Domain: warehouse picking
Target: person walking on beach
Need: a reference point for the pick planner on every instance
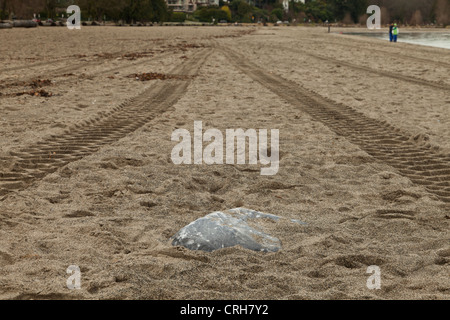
(395, 32)
(391, 36)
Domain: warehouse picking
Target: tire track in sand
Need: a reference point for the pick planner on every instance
(417, 161)
(387, 74)
(36, 161)
(364, 46)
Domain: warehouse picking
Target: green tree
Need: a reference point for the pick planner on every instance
(207, 14)
(278, 13)
(227, 11)
(3, 6)
(128, 10)
(319, 10)
(178, 17)
(339, 8)
(241, 11)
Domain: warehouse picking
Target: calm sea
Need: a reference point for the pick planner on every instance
(433, 39)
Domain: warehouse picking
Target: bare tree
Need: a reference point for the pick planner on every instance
(406, 10)
(416, 19)
(442, 12)
(385, 16)
(22, 9)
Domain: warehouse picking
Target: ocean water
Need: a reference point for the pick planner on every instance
(432, 39)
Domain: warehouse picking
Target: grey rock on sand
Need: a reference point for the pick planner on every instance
(227, 229)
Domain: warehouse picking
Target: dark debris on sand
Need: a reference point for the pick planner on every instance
(35, 83)
(35, 93)
(39, 83)
(157, 76)
(137, 55)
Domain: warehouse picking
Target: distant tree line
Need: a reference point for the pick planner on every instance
(415, 11)
(348, 11)
(126, 10)
(354, 11)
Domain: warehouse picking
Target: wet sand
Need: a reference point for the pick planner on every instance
(86, 176)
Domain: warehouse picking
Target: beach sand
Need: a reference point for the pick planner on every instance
(86, 176)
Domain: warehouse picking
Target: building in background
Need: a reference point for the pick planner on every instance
(189, 5)
(286, 3)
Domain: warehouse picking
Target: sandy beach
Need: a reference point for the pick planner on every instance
(86, 176)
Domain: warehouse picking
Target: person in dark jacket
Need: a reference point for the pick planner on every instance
(391, 36)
